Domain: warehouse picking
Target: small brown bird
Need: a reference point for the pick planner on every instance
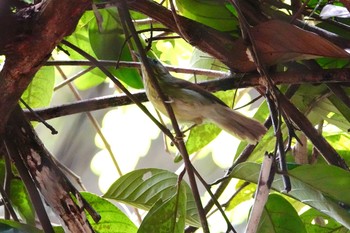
(192, 103)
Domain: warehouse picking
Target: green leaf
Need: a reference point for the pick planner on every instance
(340, 142)
(58, 229)
(21, 201)
(317, 222)
(108, 42)
(245, 194)
(200, 136)
(307, 95)
(39, 92)
(2, 171)
(341, 107)
(337, 118)
(143, 188)
(214, 14)
(167, 216)
(18, 195)
(12, 226)
(80, 38)
(318, 177)
(280, 216)
(112, 220)
(305, 189)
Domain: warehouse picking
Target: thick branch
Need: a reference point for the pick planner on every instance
(46, 23)
(323, 76)
(49, 179)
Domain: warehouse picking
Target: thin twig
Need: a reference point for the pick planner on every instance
(118, 83)
(95, 124)
(7, 204)
(38, 118)
(71, 79)
(215, 200)
(124, 13)
(271, 91)
(129, 64)
(326, 76)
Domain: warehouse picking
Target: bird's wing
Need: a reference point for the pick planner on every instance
(193, 87)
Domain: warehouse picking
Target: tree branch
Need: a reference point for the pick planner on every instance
(322, 76)
(30, 153)
(44, 26)
(194, 71)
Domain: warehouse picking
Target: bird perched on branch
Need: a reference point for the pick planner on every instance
(192, 103)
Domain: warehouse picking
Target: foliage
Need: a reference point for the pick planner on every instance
(318, 200)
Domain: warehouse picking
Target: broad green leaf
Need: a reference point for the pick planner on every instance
(39, 92)
(200, 136)
(317, 222)
(340, 142)
(310, 100)
(109, 41)
(328, 111)
(325, 178)
(280, 216)
(80, 38)
(331, 63)
(308, 191)
(245, 194)
(18, 195)
(211, 13)
(341, 107)
(113, 220)
(13, 226)
(21, 201)
(143, 188)
(307, 99)
(58, 229)
(2, 171)
(166, 216)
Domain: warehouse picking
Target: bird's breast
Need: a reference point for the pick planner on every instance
(184, 111)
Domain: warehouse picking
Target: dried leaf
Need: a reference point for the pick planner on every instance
(278, 41)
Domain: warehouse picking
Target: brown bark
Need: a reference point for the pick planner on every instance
(36, 32)
(30, 155)
(28, 37)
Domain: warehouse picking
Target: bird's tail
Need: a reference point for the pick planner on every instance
(236, 124)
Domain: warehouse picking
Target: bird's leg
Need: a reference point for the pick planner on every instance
(186, 130)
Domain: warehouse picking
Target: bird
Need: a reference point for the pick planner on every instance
(193, 104)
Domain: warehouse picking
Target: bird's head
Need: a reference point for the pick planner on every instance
(157, 67)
